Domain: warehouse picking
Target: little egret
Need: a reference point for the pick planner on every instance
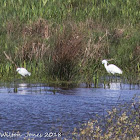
(111, 68)
(23, 72)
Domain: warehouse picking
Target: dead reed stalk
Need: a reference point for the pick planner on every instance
(10, 59)
(34, 35)
(67, 51)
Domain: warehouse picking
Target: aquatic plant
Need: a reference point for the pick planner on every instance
(68, 39)
(119, 123)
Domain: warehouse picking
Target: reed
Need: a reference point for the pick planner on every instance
(67, 40)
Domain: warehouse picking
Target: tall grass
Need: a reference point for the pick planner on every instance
(67, 40)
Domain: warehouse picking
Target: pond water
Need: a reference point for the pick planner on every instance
(40, 111)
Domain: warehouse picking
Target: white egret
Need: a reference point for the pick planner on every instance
(111, 68)
(23, 72)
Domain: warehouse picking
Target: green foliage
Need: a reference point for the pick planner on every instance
(37, 34)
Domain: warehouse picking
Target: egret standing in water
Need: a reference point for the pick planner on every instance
(23, 72)
(111, 68)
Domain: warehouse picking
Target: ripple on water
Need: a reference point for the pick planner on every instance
(37, 108)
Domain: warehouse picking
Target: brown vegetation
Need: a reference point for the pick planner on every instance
(34, 46)
(68, 50)
(39, 28)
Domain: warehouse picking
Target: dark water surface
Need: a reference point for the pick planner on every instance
(42, 112)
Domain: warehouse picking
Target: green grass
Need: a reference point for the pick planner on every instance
(67, 40)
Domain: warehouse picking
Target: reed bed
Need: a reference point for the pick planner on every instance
(66, 40)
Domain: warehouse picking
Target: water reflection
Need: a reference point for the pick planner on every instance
(113, 86)
(27, 88)
(22, 88)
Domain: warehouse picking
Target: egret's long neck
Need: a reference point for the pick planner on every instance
(105, 64)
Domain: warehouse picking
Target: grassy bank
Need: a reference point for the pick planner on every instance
(66, 40)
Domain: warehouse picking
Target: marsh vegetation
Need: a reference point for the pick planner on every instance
(66, 40)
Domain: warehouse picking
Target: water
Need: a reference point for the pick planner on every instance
(40, 111)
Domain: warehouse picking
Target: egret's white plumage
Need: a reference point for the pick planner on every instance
(23, 72)
(111, 68)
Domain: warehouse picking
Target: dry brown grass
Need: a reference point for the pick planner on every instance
(13, 29)
(73, 43)
(95, 50)
(33, 49)
(33, 36)
(137, 51)
(39, 28)
(68, 46)
(118, 33)
(76, 45)
(68, 50)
